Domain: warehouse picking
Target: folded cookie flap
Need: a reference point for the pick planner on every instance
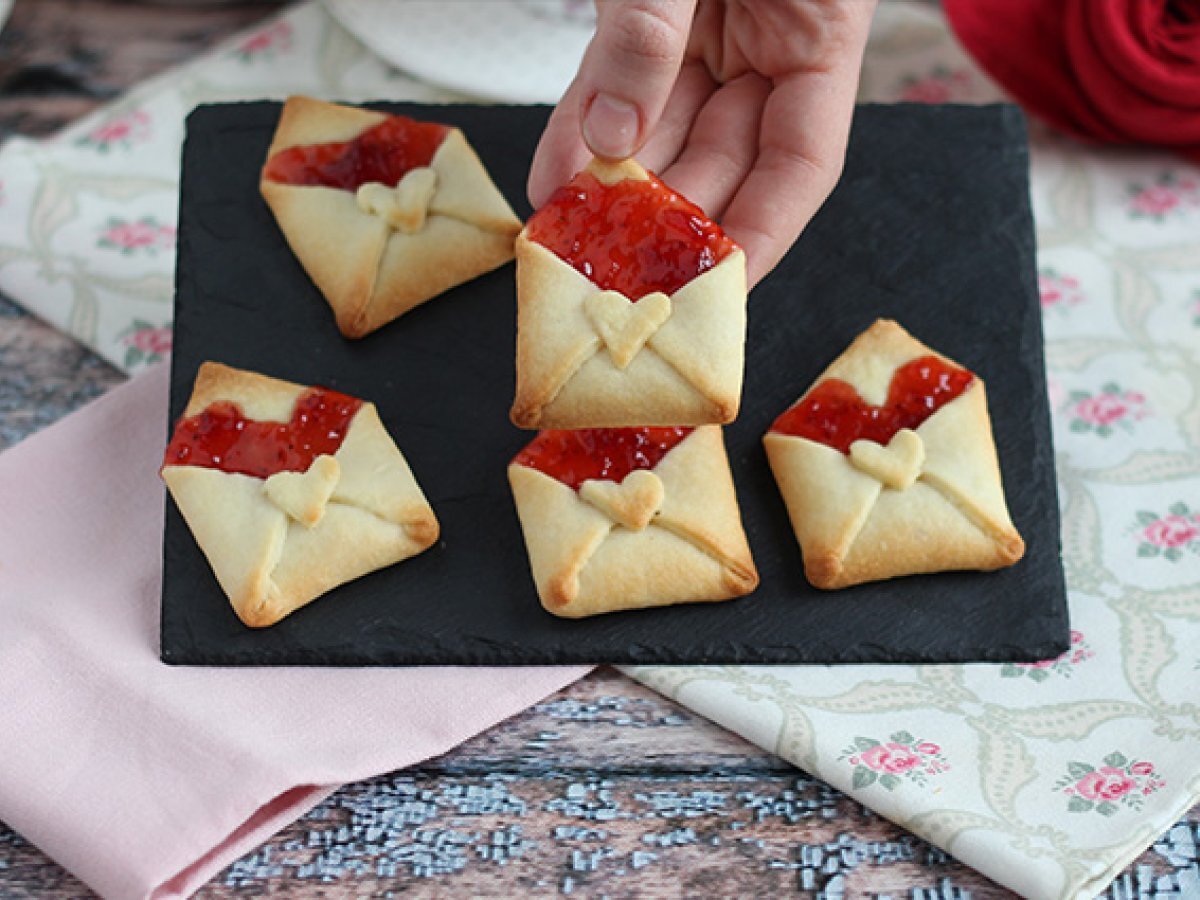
(888, 467)
(648, 517)
(631, 308)
(286, 505)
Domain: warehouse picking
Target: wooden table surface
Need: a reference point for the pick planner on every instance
(604, 789)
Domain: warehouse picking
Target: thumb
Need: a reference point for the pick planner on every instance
(628, 71)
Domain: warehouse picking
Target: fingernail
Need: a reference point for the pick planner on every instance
(610, 127)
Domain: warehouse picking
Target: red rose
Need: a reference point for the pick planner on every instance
(1121, 71)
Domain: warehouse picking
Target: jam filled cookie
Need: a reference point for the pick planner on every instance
(888, 467)
(290, 491)
(384, 212)
(625, 518)
(631, 307)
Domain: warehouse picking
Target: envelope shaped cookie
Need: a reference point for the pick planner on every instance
(631, 307)
(888, 467)
(384, 212)
(624, 518)
(290, 491)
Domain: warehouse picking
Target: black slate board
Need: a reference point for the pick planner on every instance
(931, 225)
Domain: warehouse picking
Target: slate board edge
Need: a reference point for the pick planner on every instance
(1041, 398)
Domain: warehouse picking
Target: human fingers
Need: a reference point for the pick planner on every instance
(629, 70)
(799, 163)
(722, 146)
(693, 88)
(802, 148)
(560, 151)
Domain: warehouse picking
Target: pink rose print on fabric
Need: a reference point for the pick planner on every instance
(145, 343)
(1169, 536)
(1111, 406)
(265, 43)
(1117, 783)
(145, 235)
(1103, 409)
(1109, 783)
(941, 85)
(1172, 531)
(1167, 197)
(1063, 664)
(119, 132)
(891, 757)
(902, 756)
(1154, 201)
(1058, 291)
(1195, 307)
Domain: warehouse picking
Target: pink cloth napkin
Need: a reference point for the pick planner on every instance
(145, 779)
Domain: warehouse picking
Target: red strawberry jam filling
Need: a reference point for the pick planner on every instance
(634, 237)
(573, 457)
(384, 153)
(221, 437)
(834, 414)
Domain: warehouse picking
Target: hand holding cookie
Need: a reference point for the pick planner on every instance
(742, 107)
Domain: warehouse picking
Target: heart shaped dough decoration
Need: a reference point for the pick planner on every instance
(405, 206)
(303, 495)
(632, 503)
(625, 326)
(897, 465)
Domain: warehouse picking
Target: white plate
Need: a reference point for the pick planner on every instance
(517, 51)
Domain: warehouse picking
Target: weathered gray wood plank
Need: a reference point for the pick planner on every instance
(61, 58)
(45, 374)
(607, 716)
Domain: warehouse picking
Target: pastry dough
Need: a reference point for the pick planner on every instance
(588, 357)
(278, 543)
(930, 501)
(378, 251)
(671, 534)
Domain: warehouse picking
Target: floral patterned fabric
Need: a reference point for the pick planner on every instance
(87, 218)
(1049, 776)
